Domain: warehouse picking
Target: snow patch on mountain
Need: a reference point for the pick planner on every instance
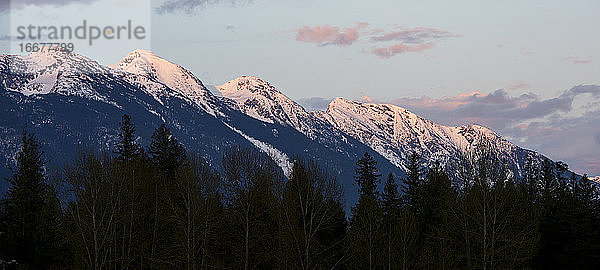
(280, 158)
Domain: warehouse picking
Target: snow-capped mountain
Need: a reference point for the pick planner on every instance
(71, 101)
(261, 100)
(163, 79)
(395, 133)
(52, 71)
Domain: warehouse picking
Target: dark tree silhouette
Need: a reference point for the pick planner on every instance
(127, 147)
(30, 212)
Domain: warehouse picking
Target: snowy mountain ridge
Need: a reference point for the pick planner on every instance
(395, 133)
(261, 100)
(389, 130)
(153, 91)
(52, 71)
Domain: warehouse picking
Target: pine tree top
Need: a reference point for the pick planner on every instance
(367, 175)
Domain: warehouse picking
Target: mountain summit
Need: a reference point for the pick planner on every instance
(163, 79)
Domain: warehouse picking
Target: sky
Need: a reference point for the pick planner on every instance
(527, 69)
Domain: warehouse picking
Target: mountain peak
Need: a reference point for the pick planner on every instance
(46, 71)
(147, 55)
(246, 83)
(155, 71)
(261, 100)
(341, 102)
(145, 62)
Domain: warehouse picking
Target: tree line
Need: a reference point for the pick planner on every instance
(162, 207)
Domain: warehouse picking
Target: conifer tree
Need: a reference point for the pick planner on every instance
(30, 212)
(167, 155)
(165, 150)
(584, 224)
(366, 225)
(548, 182)
(411, 183)
(391, 214)
(434, 209)
(127, 147)
(367, 176)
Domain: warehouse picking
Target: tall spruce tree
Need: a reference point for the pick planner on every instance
(167, 155)
(30, 212)
(392, 204)
(435, 203)
(127, 147)
(366, 225)
(165, 150)
(411, 183)
(367, 176)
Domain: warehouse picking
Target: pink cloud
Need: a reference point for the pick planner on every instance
(387, 52)
(415, 35)
(585, 61)
(577, 60)
(518, 85)
(415, 39)
(330, 34)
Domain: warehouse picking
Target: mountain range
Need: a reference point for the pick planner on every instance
(71, 102)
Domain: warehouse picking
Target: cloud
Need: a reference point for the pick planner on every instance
(329, 34)
(417, 35)
(528, 120)
(518, 85)
(387, 52)
(577, 60)
(498, 108)
(190, 6)
(415, 39)
(559, 127)
(315, 103)
(402, 40)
